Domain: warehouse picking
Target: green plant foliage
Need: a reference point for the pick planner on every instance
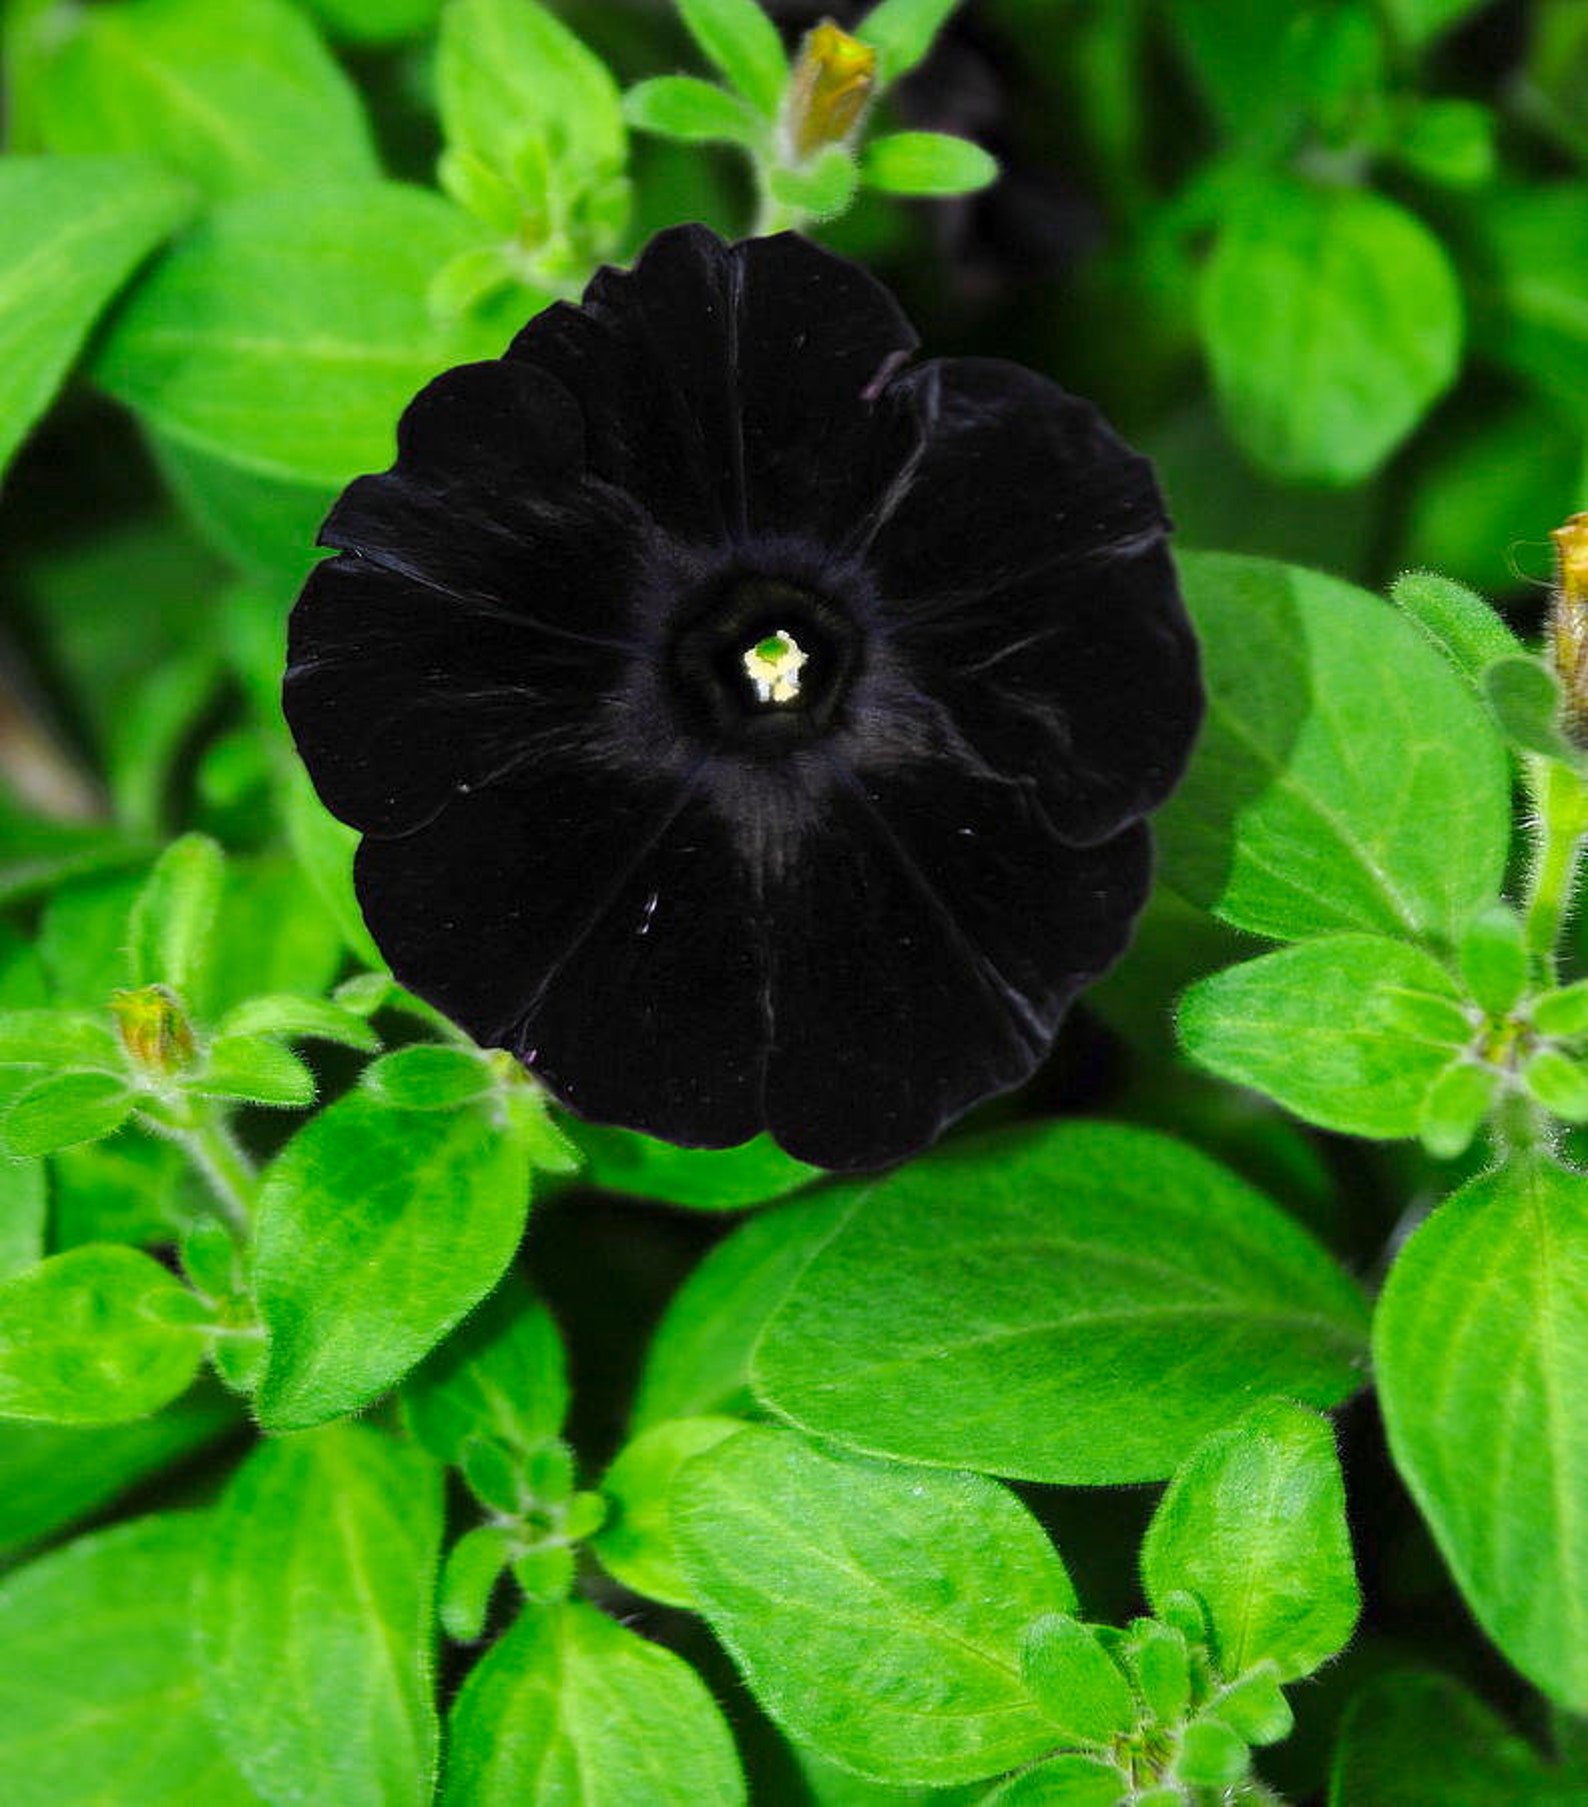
(704, 1179)
(1479, 1342)
(1142, 1263)
(738, 37)
(314, 1649)
(569, 1701)
(233, 99)
(379, 1228)
(636, 1543)
(927, 163)
(816, 1569)
(1322, 795)
(84, 1708)
(70, 235)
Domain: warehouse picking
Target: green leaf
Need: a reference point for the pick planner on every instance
(377, 1231)
(234, 98)
(706, 1179)
(927, 163)
(257, 1070)
(635, 1544)
(98, 1692)
(323, 849)
(570, 1706)
(1530, 259)
(298, 1019)
(1410, 1738)
(1558, 1083)
(1458, 621)
(1418, 22)
(24, 1208)
(379, 22)
(692, 111)
(1332, 320)
(1075, 1681)
(1480, 1345)
(1161, 1663)
(901, 32)
(428, 1078)
(1068, 1781)
(1448, 141)
(501, 1374)
(1455, 1106)
(1211, 1755)
(263, 525)
(738, 38)
(1525, 696)
(250, 344)
(1255, 1706)
(71, 232)
(1312, 1027)
(313, 1610)
(97, 1335)
(813, 1567)
(699, 1359)
(1145, 1270)
(1322, 794)
(174, 915)
(1563, 1012)
(1253, 1525)
(1494, 959)
(56, 1038)
(64, 1110)
(823, 187)
(273, 934)
(474, 1565)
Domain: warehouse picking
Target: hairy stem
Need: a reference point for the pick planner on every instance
(213, 1150)
(1562, 800)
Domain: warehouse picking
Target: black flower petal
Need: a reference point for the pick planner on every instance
(747, 732)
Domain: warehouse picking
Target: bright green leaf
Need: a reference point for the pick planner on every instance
(926, 163)
(706, 1179)
(97, 1335)
(377, 1231)
(570, 1706)
(1480, 1344)
(1456, 619)
(1255, 1706)
(1311, 1027)
(874, 1610)
(1494, 959)
(257, 1070)
(1525, 696)
(692, 111)
(56, 1038)
(232, 98)
(313, 1613)
(1322, 794)
(474, 1565)
(1455, 1106)
(62, 1111)
(428, 1078)
(635, 1544)
(1332, 320)
(1211, 1755)
(1144, 1270)
(173, 916)
(1253, 1525)
(1448, 141)
(738, 38)
(823, 187)
(1067, 1781)
(71, 232)
(261, 524)
(901, 32)
(379, 22)
(24, 1207)
(1076, 1682)
(298, 1019)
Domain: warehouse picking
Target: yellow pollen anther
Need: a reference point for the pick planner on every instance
(773, 666)
(1568, 623)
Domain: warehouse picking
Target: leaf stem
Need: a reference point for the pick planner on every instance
(1562, 802)
(214, 1151)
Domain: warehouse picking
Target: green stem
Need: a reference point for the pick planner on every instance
(213, 1150)
(1562, 800)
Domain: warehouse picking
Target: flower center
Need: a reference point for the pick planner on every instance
(759, 665)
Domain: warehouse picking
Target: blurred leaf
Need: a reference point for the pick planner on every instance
(173, 916)
(57, 1038)
(24, 1204)
(377, 1231)
(71, 233)
(273, 935)
(502, 1373)
(1532, 286)
(902, 32)
(1411, 1738)
(132, 1187)
(927, 163)
(1145, 1270)
(1418, 22)
(823, 187)
(571, 1706)
(1253, 1525)
(1480, 1343)
(635, 1545)
(1332, 320)
(375, 22)
(262, 524)
(299, 1019)
(692, 111)
(1448, 141)
(96, 1336)
(1308, 1026)
(289, 330)
(323, 848)
(699, 1358)
(313, 1609)
(474, 1565)
(705, 1179)
(83, 937)
(738, 38)
(936, 1574)
(233, 98)
(1322, 794)
(92, 1709)
(63, 1110)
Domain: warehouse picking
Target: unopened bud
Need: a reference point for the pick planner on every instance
(1568, 625)
(154, 1029)
(832, 82)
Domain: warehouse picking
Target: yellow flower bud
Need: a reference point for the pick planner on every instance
(832, 82)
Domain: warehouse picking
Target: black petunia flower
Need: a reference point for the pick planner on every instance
(746, 730)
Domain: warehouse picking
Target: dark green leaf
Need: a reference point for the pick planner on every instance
(739, 39)
(98, 1691)
(380, 22)
(1448, 141)
(1144, 1270)
(1332, 320)
(71, 232)
(232, 98)
(571, 1706)
(248, 343)
(264, 525)
(692, 111)
(377, 1231)
(1531, 251)
(1322, 794)
(314, 1619)
(502, 1373)
(63, 1110)
(927, 163)
(1480, 1343)
(1312, 1026)
(706, 1179)
(97, 1335)
(1417, 22)
(635, 1544)
(1076, 1682)
(813, 1568)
